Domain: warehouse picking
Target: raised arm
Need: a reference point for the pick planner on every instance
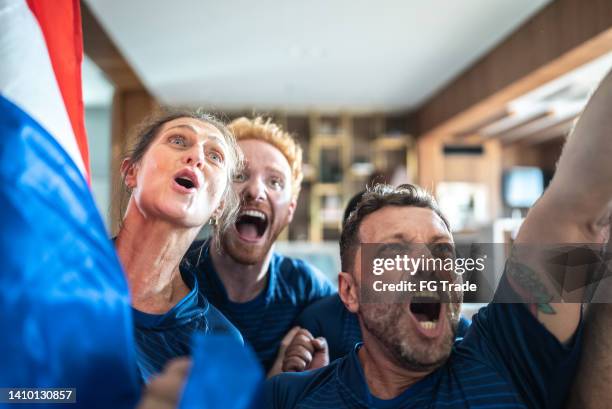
(575, 208)
(592, 383)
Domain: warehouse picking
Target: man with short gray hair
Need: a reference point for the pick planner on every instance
(515, 355)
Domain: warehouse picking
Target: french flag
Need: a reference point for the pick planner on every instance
(65, 318)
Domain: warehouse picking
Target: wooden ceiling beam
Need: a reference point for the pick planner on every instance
(512, 122)
(131, 101)
(102, 51)
(560, 129)
(494, 117)
(561, 37)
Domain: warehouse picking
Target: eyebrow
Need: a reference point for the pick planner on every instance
(275, 170)
(189, 127)
(402, 238)
(268, 168)
(393, 246)
(194, 130)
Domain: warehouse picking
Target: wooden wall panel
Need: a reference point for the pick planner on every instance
(130, 107)
(561, 37)
(100, 48)
(131, 102)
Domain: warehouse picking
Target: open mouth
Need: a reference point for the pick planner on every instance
(425, 307)
(251, 224)
(187, 179)
(185, 182)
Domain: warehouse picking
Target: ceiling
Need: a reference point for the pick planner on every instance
(385, 55)
(548, 111)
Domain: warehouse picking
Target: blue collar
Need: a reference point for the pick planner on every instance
(352, 381)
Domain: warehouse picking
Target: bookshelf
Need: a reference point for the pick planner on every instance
(345, 151)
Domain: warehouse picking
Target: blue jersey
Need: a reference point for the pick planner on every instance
(161, 337)
(292, 285)
(507, 359)
(330, 319)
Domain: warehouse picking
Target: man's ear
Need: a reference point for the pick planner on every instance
(129, 173)
(347, 290)
(292, 206)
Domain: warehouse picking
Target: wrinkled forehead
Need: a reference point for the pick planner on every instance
(403, 224)
(197, 127)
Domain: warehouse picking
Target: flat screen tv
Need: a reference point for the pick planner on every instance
(522, 186)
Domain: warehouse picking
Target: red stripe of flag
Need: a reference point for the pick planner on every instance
(66, 53)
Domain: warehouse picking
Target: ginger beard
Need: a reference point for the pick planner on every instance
(251, 225)
(267, 203)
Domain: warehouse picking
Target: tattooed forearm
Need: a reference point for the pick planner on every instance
(526, 282)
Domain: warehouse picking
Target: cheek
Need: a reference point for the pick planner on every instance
(151, 169)
(385, 316)
(282, 200)
(217, 185)
(146, 181)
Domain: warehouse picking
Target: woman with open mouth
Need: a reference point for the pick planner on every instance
(179, 177)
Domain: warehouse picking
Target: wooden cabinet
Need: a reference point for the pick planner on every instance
(346, 153)
(343, 153)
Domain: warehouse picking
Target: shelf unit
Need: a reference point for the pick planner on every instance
(328, 187)
(386, 143)
(342, 152)
(341, 139)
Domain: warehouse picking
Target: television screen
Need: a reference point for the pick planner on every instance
(523, 186)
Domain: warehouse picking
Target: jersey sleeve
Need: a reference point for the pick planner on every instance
(310, 319)
(320, 285)
(509, 337)
(285, 390)
(329, 318)
(220, 325)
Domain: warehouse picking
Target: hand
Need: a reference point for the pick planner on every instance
(305, 353)
(277, 367)
(165, 390)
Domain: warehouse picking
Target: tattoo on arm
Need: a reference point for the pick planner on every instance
(526, 282)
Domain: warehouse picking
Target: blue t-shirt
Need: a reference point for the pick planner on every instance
(292, 285)
(330, 319)
(507, 359)
(161, 337)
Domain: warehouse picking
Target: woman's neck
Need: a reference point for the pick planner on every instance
(150, 252)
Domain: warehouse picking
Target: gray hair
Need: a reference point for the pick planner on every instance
(373, 199)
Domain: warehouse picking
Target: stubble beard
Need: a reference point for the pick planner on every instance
(388, 323)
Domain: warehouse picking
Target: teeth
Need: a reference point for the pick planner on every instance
(428, 294)
(187, 178)
(254, 213)
(428, 324)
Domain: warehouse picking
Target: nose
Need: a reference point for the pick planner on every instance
(254, 191)
(428, 269)
(194, 157)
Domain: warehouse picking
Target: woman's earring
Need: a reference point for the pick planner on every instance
(212, 221)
